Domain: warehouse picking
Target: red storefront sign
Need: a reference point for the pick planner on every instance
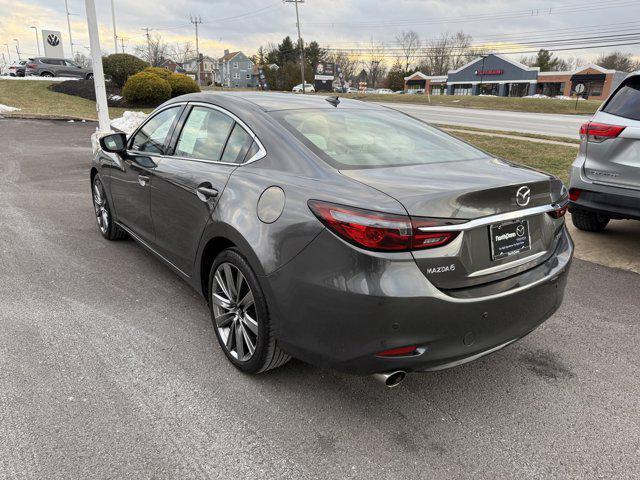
(489, 72)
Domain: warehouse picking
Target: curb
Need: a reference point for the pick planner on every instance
(43, 116)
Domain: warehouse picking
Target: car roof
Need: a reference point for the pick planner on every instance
(272, 101)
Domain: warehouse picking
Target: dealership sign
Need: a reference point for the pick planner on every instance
(52, 44)
(324, 71)
(489, 72)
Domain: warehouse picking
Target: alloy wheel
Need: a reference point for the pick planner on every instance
(100, 207)
(234, 312)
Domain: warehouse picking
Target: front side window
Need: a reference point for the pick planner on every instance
(348, 139)
(153, 134)
(204, 134)
(626, 102)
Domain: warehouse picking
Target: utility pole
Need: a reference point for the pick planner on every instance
(66, 7)
(195, 21)
(146, 29)
(300, 44)
(121, 44)
(37, 38)
(115, 33)
(17, 48)
(98, 72)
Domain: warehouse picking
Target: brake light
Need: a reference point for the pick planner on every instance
(574, 194)
(599, 132)
(398, 352)
(379, 231)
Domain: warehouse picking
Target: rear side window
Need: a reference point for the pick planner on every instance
(626, 102)
(204, 134)
(237, 145)
(153, 134)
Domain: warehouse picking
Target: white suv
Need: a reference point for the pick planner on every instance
(307, 86)
(605, 177)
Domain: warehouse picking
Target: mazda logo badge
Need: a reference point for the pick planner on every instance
(520, 230)
(523, 196)
(53, 40)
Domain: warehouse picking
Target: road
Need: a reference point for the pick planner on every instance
(540, 123)
(109, 368)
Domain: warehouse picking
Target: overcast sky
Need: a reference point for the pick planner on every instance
(337, 23)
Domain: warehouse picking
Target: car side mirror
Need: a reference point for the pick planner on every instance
(114, 143)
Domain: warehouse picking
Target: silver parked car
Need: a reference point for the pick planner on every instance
(56, 67)
(605, 177)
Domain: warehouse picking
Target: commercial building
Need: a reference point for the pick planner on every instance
(500, 76)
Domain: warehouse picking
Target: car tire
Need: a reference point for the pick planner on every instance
(243, 327)
(106, 226)
(589, 221)
(46, 74)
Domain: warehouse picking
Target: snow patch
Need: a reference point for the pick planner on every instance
(129, 121)
(559, 97)
(42, 79)
(7, 109)
(115, 98)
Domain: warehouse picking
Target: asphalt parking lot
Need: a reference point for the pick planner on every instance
(109, 367)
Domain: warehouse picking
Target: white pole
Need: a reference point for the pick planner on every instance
(115, 34)
(98, 73)
(66, 6)
(37, 39)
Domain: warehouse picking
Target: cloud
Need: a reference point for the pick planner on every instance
(246, 24)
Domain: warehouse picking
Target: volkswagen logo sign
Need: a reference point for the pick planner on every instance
(53, 40)
(523, 196)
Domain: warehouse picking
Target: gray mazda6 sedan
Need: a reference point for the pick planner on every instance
(342, 233)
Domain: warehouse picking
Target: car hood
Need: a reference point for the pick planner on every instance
(465, 189)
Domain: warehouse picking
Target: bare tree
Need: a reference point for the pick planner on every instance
(449, 52)
(348, 64)
(618, 61)
(82, 60)
(375, 65)
(182, 52)
(410, 45)
(155, 52)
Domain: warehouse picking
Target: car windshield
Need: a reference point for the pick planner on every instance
(355, 138)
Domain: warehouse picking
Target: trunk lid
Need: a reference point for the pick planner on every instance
(473, 190)
(462, 190)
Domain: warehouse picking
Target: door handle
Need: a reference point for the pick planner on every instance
(143, 179)
(206, 193)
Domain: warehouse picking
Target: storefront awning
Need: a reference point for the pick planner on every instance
(586, 77)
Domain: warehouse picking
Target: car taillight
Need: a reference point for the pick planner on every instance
(574, 194)
(599, 132)
(560, 212)
(379, 231)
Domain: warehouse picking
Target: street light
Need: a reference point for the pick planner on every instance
(37, 38)
(482, 73)
(17, 48)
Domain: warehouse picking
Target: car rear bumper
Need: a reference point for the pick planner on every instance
(335, 309)
(609, 204)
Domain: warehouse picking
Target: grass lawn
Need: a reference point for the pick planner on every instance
(508, 132)
(33, 97)
(553, 159)
(537, 105)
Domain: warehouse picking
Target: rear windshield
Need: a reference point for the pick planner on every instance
(626, 102)
(349, 139)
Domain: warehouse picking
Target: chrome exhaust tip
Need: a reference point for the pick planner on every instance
(391, 379)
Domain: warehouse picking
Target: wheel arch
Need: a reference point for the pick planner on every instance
(216, 238)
